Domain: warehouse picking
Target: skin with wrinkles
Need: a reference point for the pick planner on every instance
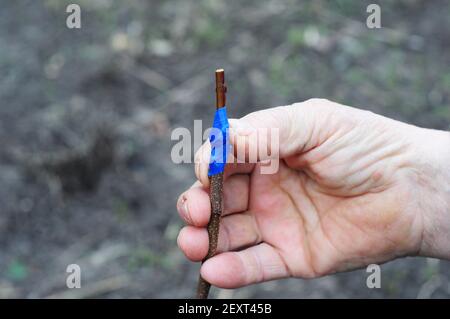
(353, 188)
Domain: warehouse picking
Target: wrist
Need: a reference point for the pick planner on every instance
(433, 159)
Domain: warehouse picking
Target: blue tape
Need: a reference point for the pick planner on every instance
(219, 140)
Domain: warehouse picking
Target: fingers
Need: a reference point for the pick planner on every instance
(202, 157)
(252, 265)
(236, 194)
(194, 205)
(202, 164)
(236, 231)
(191, 240)
(277, 132)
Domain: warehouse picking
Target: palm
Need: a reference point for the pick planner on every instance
(318, 230)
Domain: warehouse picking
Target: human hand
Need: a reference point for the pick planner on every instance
(352, 188)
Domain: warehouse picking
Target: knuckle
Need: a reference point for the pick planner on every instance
(317, 101)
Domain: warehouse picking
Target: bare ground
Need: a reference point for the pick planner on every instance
(86, 116)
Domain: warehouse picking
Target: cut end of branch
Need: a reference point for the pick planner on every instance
(221, 88)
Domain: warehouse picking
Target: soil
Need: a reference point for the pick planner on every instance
(86, 117)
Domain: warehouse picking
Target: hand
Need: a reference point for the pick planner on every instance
(352, 188)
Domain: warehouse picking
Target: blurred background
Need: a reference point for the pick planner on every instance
(86, 116)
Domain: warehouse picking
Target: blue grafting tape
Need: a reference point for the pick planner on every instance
(219, 142)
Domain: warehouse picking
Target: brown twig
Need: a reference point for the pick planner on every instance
(215, 194)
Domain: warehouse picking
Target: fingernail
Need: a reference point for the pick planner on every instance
(183, 207)
(241, 127)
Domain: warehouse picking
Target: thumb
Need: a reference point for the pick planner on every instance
(271, 134)
(278, 132)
